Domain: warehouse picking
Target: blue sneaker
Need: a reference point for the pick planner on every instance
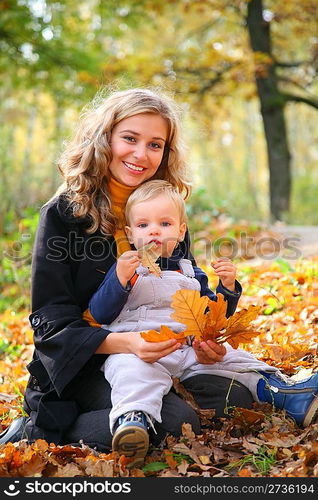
(131, 436)
(299, 400)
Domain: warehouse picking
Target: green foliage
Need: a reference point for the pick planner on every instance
(16, 251)
(304, 198)
(8, 349)
(262, 460)
(284, 265)
(273, 304)
(54, 56)
(201, 209)
(158, 466)
(154, 467)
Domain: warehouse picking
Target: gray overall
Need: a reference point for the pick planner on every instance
(138, 385)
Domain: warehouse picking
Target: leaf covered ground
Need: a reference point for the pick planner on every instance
(258, 442)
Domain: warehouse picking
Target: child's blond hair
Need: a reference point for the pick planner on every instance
(152, 189)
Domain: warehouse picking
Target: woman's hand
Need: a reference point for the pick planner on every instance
(226, 271)
(151, 351)
(209, 352)
(132, 342)
(126, 266)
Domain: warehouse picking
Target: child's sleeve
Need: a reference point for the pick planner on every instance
(232, 298)
(109, 299)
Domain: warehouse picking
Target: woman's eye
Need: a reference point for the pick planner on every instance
(155, 145)
(129, 138)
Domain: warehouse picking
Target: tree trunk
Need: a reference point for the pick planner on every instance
(272, 109)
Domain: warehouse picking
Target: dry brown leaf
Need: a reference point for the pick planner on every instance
(185, 450)
(187, 431)
(7, 397)
(68, 470)
(164, 334)
(246, 417)
(205, 414)
(190, 309)
(183, 467)
(149, 254)
(169, 459)
(98, 468)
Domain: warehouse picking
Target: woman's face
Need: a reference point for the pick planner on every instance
(137, 145)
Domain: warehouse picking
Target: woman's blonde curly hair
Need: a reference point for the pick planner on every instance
(85, 162)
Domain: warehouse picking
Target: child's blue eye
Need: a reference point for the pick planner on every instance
(142, 225)
(166, 224)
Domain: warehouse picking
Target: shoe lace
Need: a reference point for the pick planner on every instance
(138, 415)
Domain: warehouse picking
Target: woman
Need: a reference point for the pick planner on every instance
(126, 139)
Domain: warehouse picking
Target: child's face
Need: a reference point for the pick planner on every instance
(156, 220)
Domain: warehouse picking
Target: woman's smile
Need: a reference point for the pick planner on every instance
(134, 167)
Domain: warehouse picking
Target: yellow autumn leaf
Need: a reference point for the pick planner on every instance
(190, 309)
(165, 334)
(216, 317)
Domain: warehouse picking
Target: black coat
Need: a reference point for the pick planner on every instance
(68, 265)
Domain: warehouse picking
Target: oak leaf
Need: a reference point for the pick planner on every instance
(190, 309)
(246, 417)
(165, 334)
(149, 254)
(237, 329)
(215, 318)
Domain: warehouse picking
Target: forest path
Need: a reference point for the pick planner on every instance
(295, 242)
(303, 238)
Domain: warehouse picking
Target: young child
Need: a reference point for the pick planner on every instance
(138, 300)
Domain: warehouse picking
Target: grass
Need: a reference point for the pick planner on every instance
(263, 460)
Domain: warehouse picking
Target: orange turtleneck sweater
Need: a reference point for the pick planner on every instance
(119, 194)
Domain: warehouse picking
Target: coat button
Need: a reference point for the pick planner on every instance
(36, 320)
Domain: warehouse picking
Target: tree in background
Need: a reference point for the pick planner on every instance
(276, 86)
(54, 55)
(210, 49)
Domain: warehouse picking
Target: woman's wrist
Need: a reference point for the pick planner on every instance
(117, 343)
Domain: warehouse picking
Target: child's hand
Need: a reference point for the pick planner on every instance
(226, 271)
(209, 352)
(126, 266)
